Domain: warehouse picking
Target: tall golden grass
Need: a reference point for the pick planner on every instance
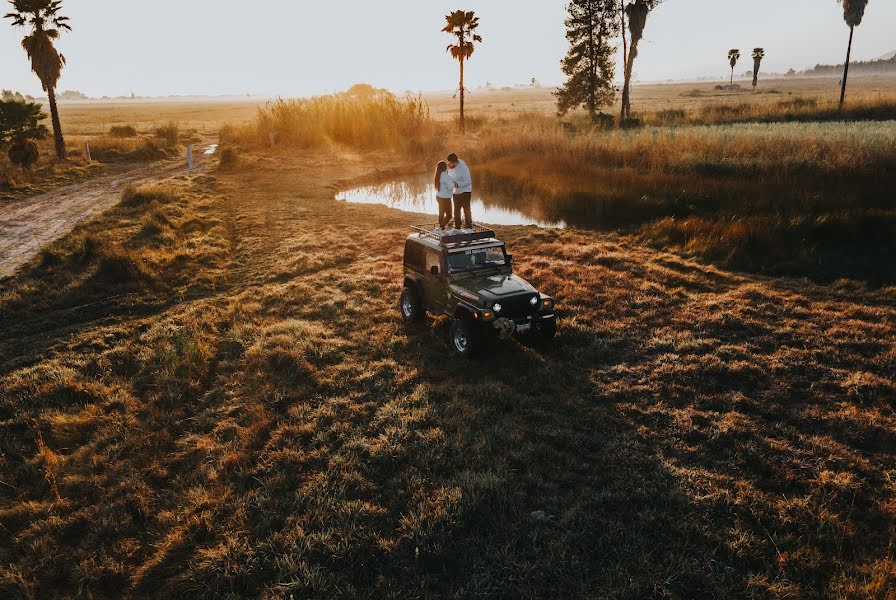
(736, 149)
(382, 121)
(798, 108)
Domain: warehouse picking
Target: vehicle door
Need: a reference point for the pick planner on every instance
(434, 283)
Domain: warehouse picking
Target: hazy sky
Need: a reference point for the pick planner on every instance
(293, 47)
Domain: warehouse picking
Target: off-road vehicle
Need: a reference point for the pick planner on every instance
(468, 276)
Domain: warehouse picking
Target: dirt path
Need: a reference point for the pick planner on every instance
(27, 224)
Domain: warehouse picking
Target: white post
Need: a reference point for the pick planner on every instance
(190, 157)
(271, 139)
(87, 151)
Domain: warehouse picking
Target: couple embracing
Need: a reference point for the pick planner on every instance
(453, 183)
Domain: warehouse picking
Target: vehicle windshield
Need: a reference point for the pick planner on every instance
(476, 258)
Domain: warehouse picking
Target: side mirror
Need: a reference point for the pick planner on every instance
(510, 259)
(434, 270)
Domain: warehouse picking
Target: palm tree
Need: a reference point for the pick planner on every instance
(42, 17)
(733, 57)
(853, 12)
(462, 25)
(758, 55)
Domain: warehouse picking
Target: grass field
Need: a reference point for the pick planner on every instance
(208, 392)
(212, 386)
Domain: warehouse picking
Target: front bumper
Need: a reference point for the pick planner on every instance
(505, 327)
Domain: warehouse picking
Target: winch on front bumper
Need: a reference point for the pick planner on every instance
(505, 328)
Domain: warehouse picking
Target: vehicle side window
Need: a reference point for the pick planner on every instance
(413, 256)
(433, 259)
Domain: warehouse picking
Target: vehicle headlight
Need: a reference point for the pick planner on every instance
(497, 307)
(534, 300)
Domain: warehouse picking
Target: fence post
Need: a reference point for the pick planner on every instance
(271, 139)
(190, 157)
(87, 151)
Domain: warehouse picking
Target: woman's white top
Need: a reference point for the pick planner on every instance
(446, 186)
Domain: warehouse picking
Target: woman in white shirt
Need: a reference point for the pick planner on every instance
(444, 191)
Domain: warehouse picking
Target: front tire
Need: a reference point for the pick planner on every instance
(463, 338)
(410, 307)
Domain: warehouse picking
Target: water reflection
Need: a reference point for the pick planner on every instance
(417, 195)
(622, 198)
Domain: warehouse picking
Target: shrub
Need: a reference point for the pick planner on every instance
(604, 121)
(123, 131)
(118, 149)
(23, 153)
(144, 195)
(169, 134)
(229, 159)
(672, 116)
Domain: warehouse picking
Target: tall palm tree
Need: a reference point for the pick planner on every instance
(462, 25)
(45, 23)
(853, 12)
(758, 55)
(733, 57)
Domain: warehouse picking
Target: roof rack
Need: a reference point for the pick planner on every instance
(454, 236)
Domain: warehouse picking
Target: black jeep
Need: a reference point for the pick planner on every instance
(468, 276)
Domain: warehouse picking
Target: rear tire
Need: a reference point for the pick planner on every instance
(464, 338)
(410, 307)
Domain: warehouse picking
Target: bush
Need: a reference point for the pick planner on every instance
(119, 149)
(229, 159)
(123, 131)
(604, 121)
(141, 196)
(631, 123)
(23, 153)
(169, 134)
(672, 116)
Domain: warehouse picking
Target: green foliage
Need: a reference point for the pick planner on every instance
(589, 66)
(45, 23)
(21, 121)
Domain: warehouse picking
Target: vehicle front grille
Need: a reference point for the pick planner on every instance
(517, 306)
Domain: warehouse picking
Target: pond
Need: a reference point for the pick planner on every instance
(619, 199)
(416, 195)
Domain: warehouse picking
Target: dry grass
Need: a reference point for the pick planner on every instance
(380, 122)
(245, 415)
(747, 150)
(657, 97)
(787, 198)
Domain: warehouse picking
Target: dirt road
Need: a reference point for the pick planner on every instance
(27, 224)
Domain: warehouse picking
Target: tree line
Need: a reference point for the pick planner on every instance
(592, 30)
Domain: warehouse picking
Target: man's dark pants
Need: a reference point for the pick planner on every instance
(462, 202)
